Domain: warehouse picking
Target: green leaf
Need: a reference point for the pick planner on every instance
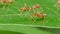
(10, 15)
(15, 29)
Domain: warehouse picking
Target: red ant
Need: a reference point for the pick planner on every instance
(6, 2)
(37, 15)
(36, 6)
(25, 8)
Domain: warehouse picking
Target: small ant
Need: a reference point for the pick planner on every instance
(36, 6)
(6, 2)
(25, 8)
(37, 15)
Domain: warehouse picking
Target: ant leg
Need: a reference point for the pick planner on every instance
(21, 13)
(8, 9)
(3, 6)
(43, 21)
(14, 0)
(30, 9)
(33, 19)
(27, 13)
(57, 6)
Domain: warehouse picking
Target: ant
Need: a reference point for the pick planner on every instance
(25, 8)
(36, 6)
(6, 2)
(38, 15)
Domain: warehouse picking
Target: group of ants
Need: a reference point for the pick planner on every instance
(26, 7)
(23, 9)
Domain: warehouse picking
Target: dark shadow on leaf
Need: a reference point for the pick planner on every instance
(9, 32)
(52, 30)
